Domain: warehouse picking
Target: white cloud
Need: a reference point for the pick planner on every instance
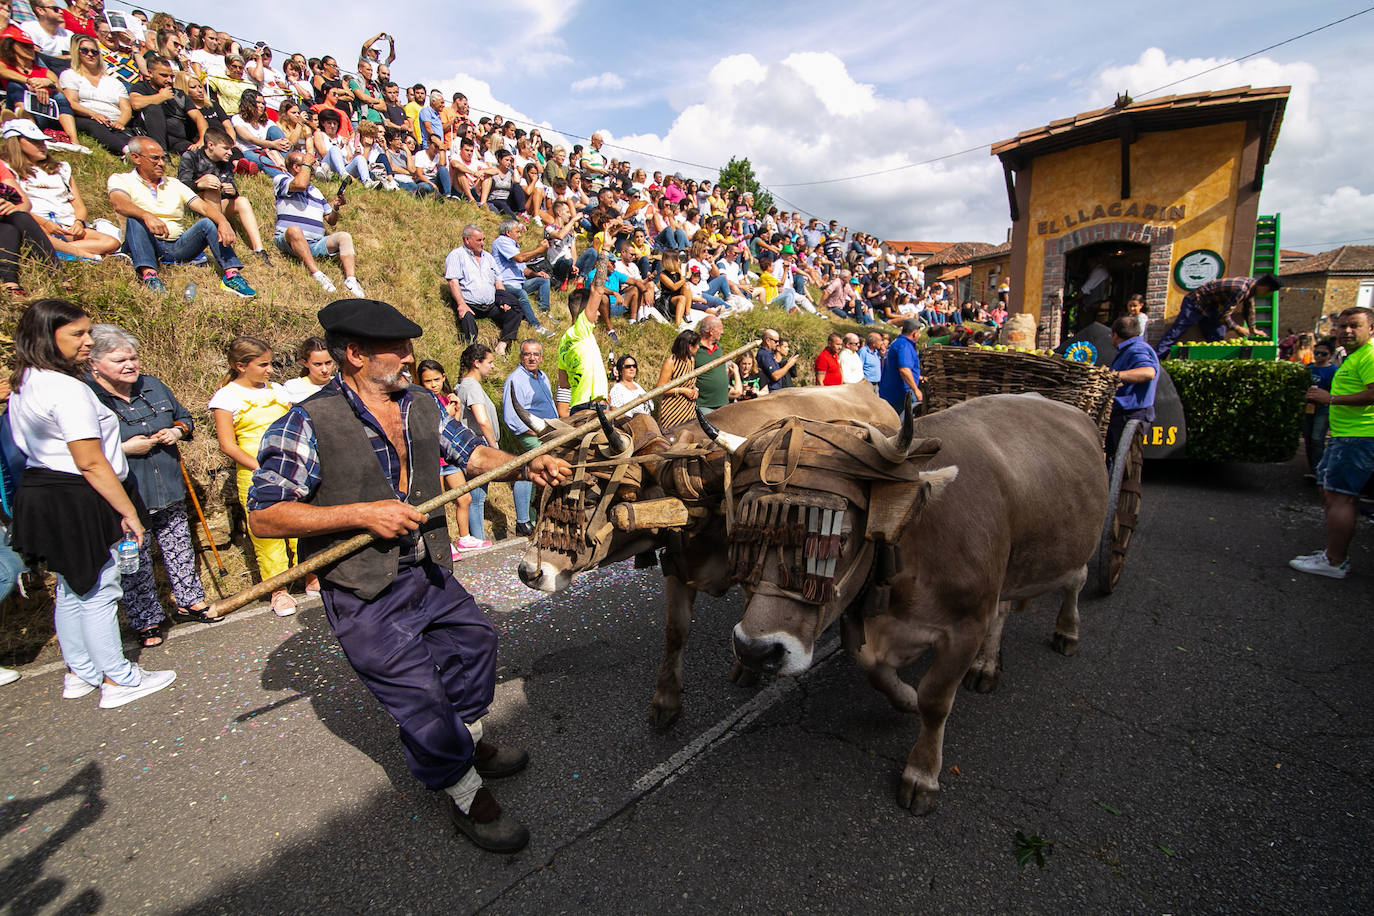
(804, 118)
(1321, 160)
(483, 102)
(605, 82)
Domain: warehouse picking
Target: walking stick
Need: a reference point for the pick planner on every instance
(209, 538)
(358, 542)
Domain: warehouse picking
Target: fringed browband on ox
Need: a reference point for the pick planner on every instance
(795, 482)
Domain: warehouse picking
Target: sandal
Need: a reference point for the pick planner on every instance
(194, 615)
(17, 292)
(150, 637)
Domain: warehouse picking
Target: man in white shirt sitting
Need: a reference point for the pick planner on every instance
(302, 214)
(474, 282)
(153, 207)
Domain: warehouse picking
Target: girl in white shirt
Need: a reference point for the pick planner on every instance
(75, 473)
(54, 200)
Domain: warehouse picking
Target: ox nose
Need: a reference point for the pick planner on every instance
(765, 655)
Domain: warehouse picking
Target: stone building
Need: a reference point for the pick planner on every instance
(1324, 284)
(1154, 197)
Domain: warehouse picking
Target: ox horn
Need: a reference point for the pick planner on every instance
(613, 437)
(729, 441)
(537, 425)
(908, 431)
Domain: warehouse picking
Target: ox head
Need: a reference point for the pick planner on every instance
(819, 510)
(585, 523)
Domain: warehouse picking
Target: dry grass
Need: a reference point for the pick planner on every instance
(401, 244)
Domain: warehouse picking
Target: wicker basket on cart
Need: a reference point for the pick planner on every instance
(956, 374)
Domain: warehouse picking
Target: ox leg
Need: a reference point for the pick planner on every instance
(666, 705)
(920, 784)
(884, 679)
(986, 670)
(1065, 640)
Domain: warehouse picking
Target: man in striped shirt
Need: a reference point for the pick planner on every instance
(302, 214)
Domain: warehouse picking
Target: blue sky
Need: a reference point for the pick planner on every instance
(811, 90)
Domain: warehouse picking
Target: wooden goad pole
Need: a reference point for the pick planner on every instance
(358, 542)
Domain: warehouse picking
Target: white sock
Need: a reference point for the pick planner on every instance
(465, 790)
(475, 729)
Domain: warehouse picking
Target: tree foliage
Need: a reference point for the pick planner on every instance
(739, 173)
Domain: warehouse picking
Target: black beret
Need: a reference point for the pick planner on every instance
(367, 318)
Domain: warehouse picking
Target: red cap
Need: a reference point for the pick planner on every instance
(16, 34)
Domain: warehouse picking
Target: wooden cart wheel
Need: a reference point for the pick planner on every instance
(1123, 506)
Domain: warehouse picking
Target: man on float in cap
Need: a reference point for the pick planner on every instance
(337, 462)
(1216, 306)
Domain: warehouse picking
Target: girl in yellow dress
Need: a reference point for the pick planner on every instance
(248, 402)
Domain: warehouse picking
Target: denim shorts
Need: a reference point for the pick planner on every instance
(1347, 464)
(319, 248)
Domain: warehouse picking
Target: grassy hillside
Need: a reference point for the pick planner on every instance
(401, 244)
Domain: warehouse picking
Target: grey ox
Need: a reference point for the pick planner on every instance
(1001, 500)
(688, 531)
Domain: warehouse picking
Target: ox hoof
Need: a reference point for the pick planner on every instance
(1064, 645)
(743, 677)
(661, 715)
(982, 681)
(919, 802)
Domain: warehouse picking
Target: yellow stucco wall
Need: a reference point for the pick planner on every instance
(1197, 168)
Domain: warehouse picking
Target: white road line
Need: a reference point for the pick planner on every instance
(730, 726)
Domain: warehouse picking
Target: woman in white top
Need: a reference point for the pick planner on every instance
(317, 368)
(99, 101)
(56, 203)
(627, 388)
(75, 472)
(254, 135)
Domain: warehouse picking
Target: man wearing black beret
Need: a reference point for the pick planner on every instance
(362, 453)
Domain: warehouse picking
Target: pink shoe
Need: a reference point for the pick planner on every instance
(468, 542)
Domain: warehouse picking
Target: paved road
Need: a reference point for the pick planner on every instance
(1208, 750)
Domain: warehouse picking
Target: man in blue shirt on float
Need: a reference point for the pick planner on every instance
(902, 367)
(1137, 371)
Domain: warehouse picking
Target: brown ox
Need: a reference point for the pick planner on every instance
(1007, 505)
(693, 557)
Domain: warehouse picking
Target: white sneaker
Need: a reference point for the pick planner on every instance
(1318, 565)
(353, 286)
(112, 695)
(8, 676)
(326, 284)
(74, 688)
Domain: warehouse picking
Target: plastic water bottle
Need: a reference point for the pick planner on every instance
(128, 555)
(190, 292)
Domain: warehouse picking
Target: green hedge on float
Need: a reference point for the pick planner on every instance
(1241, 410)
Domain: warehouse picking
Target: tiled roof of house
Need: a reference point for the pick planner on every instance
(917, 248)
(1166, 112)
(958, 253)
(1345, 259)
(1000, 251)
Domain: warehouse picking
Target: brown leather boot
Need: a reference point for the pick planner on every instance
(487, 826)
(493, 762)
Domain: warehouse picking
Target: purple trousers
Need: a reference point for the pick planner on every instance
(428, 653)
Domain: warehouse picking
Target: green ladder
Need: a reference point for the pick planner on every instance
(1266, 261)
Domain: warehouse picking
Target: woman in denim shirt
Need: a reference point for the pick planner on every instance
(151, 422)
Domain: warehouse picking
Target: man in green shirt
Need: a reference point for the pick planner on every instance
(581, 370)
(1348, 463)
(713, 388)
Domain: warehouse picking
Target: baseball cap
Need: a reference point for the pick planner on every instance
(14, 33)
(22, 127)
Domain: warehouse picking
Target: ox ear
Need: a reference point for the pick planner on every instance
(937, 480)
(893, 505)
